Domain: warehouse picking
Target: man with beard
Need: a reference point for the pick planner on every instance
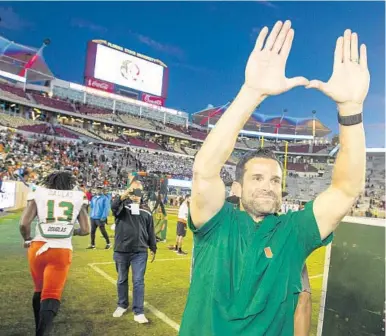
(246, 276)
(303, 311)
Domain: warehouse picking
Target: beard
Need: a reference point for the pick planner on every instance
(261, 204)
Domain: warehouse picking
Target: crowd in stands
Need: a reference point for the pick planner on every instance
(29, 159)
(93, 163)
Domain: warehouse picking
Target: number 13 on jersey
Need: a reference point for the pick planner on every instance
(58, 222)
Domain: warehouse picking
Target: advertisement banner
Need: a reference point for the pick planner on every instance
(99, 85)
(129, 71)
(159, 101)
(8, 195)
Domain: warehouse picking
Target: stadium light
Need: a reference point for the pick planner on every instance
(46, 41)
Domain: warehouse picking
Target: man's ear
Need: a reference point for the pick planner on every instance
(236, 189)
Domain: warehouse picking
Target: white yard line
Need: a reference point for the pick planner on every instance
(163, 317)
(316, 276)
(327, 259)
(112, 262)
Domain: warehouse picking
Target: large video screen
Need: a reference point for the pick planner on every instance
(123, 69)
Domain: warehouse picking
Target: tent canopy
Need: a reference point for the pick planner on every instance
(23, 61)
(259, 122)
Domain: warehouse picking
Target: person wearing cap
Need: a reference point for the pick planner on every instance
(100, 208)
(134, 235)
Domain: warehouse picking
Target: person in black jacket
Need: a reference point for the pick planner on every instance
(134, 235)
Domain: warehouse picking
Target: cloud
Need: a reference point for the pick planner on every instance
(84, 24)
(376, 126)
(193, 68)
(376, 103)
(162, 47)
(267, 4)
(255, 32)
(10, 20)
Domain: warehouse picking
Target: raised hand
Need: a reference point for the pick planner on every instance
(350, 80)
(265, 71)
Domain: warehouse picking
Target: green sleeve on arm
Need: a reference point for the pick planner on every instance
(210, 226)
(307, 230)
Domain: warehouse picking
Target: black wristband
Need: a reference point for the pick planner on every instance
(350, 120)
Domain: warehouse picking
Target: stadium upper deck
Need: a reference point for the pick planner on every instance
(66, 103)
(269, 125)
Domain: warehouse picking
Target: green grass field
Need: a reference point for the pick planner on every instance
(90, 298)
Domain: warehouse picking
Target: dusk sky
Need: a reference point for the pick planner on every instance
(206, 46)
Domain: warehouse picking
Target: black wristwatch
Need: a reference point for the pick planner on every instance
(350, 120)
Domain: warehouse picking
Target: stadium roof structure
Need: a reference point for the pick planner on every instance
(271, 124)
(24, 61)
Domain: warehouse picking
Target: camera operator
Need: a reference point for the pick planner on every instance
(134, 234)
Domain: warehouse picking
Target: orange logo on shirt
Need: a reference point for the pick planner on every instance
(268, 252)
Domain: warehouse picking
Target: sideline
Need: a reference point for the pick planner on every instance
(163, 317)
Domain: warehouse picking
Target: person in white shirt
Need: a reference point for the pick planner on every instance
(181, 226)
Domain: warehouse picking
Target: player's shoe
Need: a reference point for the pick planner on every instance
(91, 247)
(119, 312)
(180, 252)
(140, 319)
(108, 247)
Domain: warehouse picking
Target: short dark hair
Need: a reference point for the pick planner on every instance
(60, 180)
(262, 153)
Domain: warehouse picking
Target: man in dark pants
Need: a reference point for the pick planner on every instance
(183, 212)
(134, 234)
(100, 208)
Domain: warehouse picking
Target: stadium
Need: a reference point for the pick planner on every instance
(116, 123)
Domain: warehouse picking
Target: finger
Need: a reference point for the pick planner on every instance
(272, 37)
(363, 56)
(285, 50)
(319, 85)
(282, 36)
(261, 38)
(338, 55)
(354, 47)
(346, 45)
(297, 81)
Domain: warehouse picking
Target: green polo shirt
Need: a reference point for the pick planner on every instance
(246, 275)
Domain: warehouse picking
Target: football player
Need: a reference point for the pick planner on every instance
(57, 207)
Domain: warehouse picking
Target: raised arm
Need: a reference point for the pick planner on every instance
(264, 76)
(348, 87)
